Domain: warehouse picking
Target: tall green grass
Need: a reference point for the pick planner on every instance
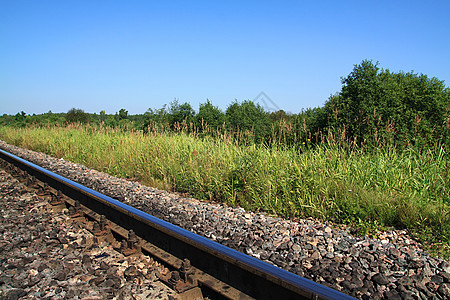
(381, 186)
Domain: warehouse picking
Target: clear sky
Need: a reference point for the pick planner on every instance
(107, 55)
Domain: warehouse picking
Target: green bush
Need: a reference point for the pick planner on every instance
(402, 107)
(248, 117)
(75, 115)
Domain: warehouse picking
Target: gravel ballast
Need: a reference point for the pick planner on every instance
(391, 267)
(47, 255)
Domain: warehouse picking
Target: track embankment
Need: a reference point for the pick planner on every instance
(393, 266)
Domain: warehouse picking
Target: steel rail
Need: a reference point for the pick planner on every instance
(253, 277)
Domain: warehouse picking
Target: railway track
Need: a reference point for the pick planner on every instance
(199, 267)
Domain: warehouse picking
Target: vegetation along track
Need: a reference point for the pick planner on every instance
(199, 266)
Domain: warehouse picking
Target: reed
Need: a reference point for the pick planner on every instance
(336, 181)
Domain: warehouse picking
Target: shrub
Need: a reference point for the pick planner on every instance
(406, 107)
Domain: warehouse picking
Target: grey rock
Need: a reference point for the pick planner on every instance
(296, 247)
(60, 276)
(392, 294)
(438, 279)
(445, 266)
(416, 264)
(380, 279)
(15, 294)
(422, 288)
(86, 260)
(104, 266)
(97, 280)
(444, 290)
(445, 275)
(405, 281)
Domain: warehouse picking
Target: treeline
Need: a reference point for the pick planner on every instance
(74, 115)
(375, 106)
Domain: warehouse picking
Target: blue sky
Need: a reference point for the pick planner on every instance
(107, 55)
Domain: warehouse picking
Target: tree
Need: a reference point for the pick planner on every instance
(279, 115)
(123, 114)
(248, 116)
(210, 115)
(406, 105)
(20, 116)
(102, 115)
(179, 113)
(75, 115)
(20, 119)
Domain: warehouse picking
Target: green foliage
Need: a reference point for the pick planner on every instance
(278, 116)
(76, 115)
(402, 107)
(179, 114)
(22, 119)
(123, 114)
(310, 123)
(102, 115)
(20, 116)
(209, 116)
(248, 117)
(155, 117)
